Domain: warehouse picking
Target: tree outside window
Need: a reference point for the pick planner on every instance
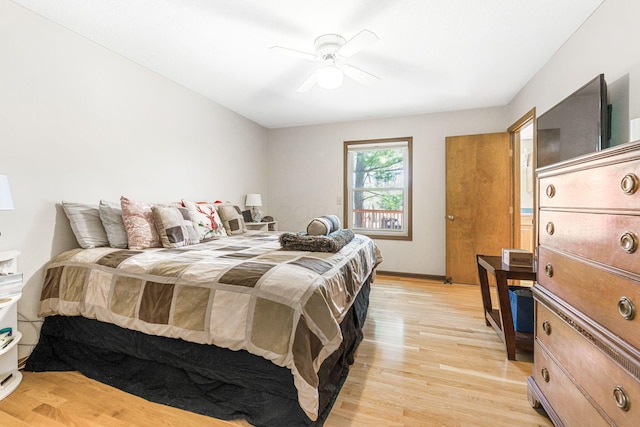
(378, 187)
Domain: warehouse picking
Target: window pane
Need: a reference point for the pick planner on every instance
(378, 168)
(378, 210)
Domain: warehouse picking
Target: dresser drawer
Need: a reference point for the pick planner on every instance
(609, 298)
(583, 357)
(613, 186)
(608, 239)
(569, 404)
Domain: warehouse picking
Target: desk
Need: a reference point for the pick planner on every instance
(501, 319)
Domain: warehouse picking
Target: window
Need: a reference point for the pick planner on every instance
(377, 187)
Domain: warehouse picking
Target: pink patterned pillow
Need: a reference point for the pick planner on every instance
(140, 225)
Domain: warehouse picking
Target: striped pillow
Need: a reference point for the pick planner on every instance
(323, 225)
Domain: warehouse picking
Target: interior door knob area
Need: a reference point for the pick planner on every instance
(450, 217)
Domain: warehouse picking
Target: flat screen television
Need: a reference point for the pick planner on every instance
(577, 125)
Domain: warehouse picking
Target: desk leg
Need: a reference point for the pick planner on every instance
(484, 290)
(505, 314)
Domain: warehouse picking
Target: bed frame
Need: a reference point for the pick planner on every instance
(199, 378)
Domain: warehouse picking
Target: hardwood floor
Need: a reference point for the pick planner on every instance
(427, 360)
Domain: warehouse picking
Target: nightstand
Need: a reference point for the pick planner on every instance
(10, 293)
(262, 226)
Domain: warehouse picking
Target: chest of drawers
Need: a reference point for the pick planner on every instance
(587, 339)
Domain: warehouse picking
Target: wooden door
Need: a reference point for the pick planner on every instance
(478, 191)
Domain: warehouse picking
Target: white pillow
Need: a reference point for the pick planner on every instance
(86, 225)
(111, 217)
(205, 220)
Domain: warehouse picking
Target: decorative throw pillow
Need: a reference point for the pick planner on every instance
(174, 226)
(111, 217)
(205, 220)
(86, 225)
(323, 225)
(232, 219)
(140, 225)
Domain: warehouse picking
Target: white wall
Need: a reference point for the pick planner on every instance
(80, 123)
(606, 43)
(308, 178)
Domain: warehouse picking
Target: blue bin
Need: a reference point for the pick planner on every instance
(521, 299)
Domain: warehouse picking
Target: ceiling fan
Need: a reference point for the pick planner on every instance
(332, 50)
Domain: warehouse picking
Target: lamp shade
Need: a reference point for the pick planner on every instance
(6, 202)
(329, 77)
(253, 200)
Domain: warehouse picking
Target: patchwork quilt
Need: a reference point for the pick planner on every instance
(239, 292)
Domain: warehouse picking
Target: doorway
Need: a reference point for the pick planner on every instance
(521, 136)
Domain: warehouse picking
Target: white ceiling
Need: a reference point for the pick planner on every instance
(433, 55)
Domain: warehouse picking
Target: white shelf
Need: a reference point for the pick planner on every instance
(9, 319)
(11, 299)
(8, 255)
(11, 385)
(262, 226)
(17, 336)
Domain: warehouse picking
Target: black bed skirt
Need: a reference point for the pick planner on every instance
(200, 378)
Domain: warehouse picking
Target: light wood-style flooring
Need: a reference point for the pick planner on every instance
(427, 360)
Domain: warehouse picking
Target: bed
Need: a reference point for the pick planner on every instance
(232, 328)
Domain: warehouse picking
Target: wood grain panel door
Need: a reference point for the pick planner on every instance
(478, 192)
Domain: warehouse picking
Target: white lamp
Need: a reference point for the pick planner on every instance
(254, 201)
(329, 76)
(6, 202)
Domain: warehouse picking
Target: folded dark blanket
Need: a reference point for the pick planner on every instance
(304, 242)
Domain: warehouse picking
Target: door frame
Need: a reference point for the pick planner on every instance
(514, 144)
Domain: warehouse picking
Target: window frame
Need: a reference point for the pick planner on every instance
(407, 232)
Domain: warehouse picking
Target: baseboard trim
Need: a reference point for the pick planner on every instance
(412, 275)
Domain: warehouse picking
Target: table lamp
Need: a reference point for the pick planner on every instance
(254, 201)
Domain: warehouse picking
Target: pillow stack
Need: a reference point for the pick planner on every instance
(138, 225)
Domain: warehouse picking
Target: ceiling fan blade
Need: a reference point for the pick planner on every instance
(358, 75)
(307, 84)
(293, 53)
(363, 39)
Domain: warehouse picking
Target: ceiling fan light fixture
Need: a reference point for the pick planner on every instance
(329, 77)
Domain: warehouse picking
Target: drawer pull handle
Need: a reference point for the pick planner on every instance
(629, 184)
(622, 400)
(629, 242)
(548, 270)
(626, 308)
(550, 191)
(546, 327)
(545, 375)
(550, 228)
